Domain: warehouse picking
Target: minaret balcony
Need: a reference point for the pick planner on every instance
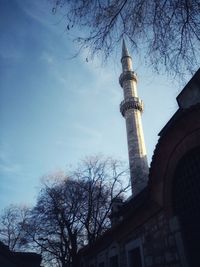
(131, 103)
(126, 76)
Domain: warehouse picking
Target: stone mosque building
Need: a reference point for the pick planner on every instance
(160, 224)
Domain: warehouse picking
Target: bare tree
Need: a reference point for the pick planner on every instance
(12, 222)
(74, 211)
(167, 30)
(53, 227)
(102, 181)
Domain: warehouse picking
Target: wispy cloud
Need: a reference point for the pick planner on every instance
(87, 131)
(10, 168)
(37, 10)
(7, 166)
(89, 138)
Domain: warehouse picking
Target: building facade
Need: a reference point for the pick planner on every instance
(160, 224)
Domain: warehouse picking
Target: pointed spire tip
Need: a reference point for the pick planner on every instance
(125, 52)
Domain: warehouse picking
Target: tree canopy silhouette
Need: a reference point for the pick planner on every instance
(71, 211)
(12, 222)
(167, 31)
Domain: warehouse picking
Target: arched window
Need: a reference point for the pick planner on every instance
(186, 203)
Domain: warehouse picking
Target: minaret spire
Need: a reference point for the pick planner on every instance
(131, 108)
(125, 52)
(126, 59)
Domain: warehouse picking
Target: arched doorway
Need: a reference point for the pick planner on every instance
(186, 203)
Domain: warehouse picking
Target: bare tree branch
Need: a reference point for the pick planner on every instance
(163, 30)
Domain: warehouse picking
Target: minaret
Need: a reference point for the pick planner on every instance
(131, 109)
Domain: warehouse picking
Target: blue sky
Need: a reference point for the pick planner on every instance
(53, 110)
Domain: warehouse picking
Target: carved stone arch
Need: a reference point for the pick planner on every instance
(186, 145)
(182, 135)
(180, 146)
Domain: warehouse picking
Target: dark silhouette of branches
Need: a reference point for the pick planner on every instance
(168, 31)
(12, 223)
(71, 211)
(102, 180)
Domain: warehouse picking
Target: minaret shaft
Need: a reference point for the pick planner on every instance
(131, 89)
(131, 108)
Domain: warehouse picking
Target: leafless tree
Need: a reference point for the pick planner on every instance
(167, 30)
(74, 211)
(12, 222)
(53, 227)
(102, 181)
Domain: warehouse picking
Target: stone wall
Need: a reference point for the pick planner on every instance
(159, 240)
(159, 243)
